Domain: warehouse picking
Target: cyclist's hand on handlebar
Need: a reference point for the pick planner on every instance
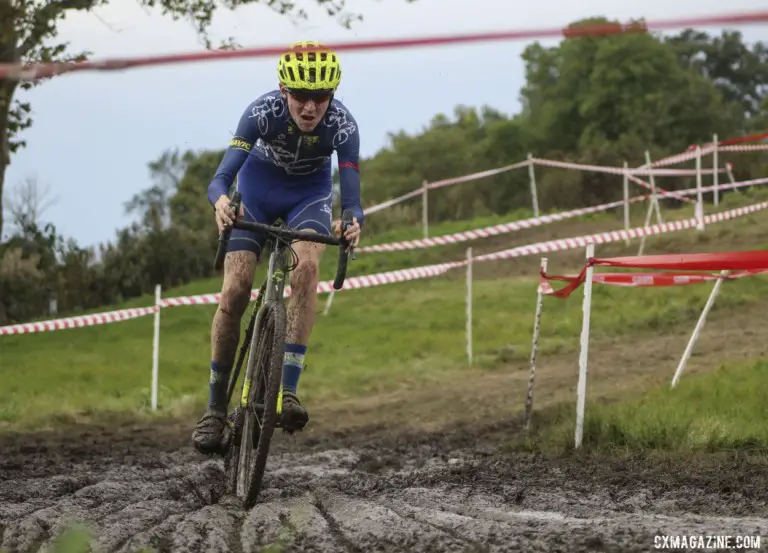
(353, 231)
(225, 217)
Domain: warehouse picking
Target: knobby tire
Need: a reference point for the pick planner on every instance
(269, 365)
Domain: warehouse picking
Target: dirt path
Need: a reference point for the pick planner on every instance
(419, 496)
(384, 475)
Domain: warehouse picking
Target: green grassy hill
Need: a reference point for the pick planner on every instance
(396, 353)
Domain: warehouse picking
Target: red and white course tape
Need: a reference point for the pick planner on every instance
(78, 322)
(740, 263)
(393, 201)
(744, 148)
(495, 230)
(688, 155)
(634, 280)
(514, 226)
(445, 182)
(477, 176)
(642, 170)
(620, 170)
(402, 275)
(622, 234)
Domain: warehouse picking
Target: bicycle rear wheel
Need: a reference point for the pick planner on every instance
(260, 414)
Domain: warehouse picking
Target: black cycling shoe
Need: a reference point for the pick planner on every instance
(211, 432)
(292, 415)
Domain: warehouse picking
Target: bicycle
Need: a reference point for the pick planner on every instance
(254, 420)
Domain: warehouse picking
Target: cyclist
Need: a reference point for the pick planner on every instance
(281, 154)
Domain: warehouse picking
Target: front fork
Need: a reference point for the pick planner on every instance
(272, 289)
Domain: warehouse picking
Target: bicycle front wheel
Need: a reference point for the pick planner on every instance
(260, 414)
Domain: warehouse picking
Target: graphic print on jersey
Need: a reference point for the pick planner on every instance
(279, 143)
(271, 104)
(337, 117)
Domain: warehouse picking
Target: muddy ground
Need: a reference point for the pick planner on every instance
(145, 487)
(390, 484)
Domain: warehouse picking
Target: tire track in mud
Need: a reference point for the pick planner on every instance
(332, 525)
(375, 497)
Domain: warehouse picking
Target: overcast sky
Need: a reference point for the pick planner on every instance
(95, 132)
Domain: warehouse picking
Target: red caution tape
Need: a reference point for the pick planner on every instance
(752, 138)
(745, 263)
(43, 70)
(731, 141)
(725, 261)
(634, 280)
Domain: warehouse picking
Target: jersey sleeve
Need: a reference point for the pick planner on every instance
(246, 135)
(348, 152)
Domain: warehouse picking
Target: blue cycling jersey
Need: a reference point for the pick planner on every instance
(266, 134)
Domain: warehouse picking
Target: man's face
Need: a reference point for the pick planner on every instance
(307, 111)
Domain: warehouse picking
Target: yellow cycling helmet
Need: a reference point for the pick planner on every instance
(317, 71)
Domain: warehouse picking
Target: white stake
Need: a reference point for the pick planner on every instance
(532, 179)
(715, 175)
(581, 392)
(328, 302)
(156, 348)
(424, 209)
(469, 306)
(626, 200)
(697, 329)
(699, 196)
(654, 194)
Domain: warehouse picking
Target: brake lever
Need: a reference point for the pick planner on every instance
(350, 249)
(234, 205)
(218, 262)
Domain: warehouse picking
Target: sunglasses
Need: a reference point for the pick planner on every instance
(304, 97)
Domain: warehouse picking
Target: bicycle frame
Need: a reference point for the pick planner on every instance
(272, 290)
(269, 301)
(273, 286)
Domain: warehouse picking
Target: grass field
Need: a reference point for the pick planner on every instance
(401, 348)
(725, 409)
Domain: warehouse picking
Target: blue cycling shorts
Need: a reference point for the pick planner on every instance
(268, 194)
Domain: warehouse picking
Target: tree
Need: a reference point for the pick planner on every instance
(28, 31)
(590, 100)
(610, 98)
(189, 205)
(26, 203)
(739, 71)
(589, 89)
(152, 204)
(473, 139)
